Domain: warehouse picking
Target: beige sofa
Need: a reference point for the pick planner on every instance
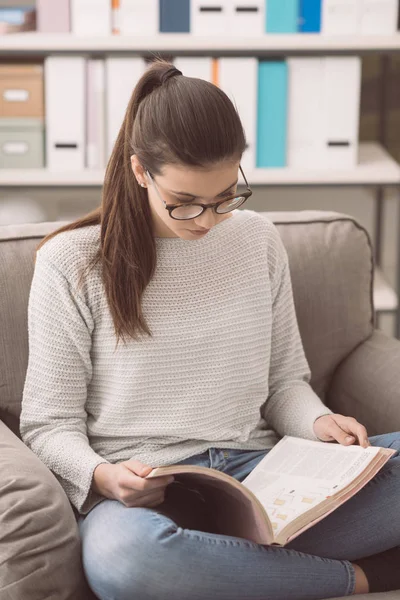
(355, 371)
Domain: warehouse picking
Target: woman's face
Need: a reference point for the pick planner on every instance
(181, 185)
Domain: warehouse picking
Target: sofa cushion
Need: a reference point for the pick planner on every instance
(40, 548)
(331, 266)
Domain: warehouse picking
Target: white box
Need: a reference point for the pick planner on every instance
(305, 113)
(210, 17)
(65, 112)
(247, 17)
(195, 66)
(96, 114)
(91, 17)
(340, 17)
(137, 17)
(342, 91)
(379, 16)
(122, 75)
(238, 79)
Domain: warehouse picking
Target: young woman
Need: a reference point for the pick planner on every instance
(211, 370)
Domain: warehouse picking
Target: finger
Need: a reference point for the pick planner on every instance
(138, 468)
(356, 429)
(131, 481)
(343, 437)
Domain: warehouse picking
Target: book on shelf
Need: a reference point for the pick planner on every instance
(296, 485)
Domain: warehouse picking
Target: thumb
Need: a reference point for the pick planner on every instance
(342, 436)
(138, 468)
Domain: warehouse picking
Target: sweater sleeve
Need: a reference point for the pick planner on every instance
(53, 417)
(292, 406)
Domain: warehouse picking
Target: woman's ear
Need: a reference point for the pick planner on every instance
(138, 171)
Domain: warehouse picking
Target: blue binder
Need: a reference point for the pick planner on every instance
(310, 16)
(272, 113)
(175, 16)
(282, 16)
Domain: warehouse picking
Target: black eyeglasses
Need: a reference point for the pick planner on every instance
(181, 212)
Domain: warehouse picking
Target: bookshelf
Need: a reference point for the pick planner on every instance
(42, 44)
(376, 167)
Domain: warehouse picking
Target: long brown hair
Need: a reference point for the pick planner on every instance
(175, 120)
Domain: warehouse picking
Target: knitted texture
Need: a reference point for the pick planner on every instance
(225, 366)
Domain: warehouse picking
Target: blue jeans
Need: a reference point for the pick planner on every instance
(152, 554)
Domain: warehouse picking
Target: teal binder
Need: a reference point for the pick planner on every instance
(272, 113)
(282, 16)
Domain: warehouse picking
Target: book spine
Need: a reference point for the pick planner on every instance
(272, 114)
(310, 16)
(282, 16)
(175, 16)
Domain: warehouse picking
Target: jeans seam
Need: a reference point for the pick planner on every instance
(352, 578)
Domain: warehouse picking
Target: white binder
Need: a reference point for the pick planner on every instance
(138, 17)
(122, 75)
(91, 17)
(342, 94)
(238, 79)
(305, 113)
(379, 16)
(210, 17)
(247, 17)
(95, 114)
(65, 112)
(195, 66)
(340, 17)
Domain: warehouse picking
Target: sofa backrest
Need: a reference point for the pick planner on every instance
(331, 267)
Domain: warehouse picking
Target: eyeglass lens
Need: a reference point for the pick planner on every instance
(191, 210)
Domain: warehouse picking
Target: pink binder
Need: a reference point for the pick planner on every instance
(53, 16)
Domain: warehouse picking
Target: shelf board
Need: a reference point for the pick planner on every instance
(33, 42)
(385, 298)
(376, 167)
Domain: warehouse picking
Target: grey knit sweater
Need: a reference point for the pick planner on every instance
(225, 366)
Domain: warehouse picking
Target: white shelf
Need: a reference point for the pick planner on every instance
(186, 42)
(376, 167)
(385, 298)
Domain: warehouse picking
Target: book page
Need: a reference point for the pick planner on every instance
(298, 474)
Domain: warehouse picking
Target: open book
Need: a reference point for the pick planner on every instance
(297, 484)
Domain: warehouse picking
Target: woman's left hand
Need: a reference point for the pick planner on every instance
(345, 430)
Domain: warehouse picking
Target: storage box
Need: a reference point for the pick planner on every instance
(21, 143)
(21, 91)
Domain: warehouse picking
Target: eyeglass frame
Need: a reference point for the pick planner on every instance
(171, 207)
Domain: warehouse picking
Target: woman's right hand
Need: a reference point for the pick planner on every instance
(125, 482)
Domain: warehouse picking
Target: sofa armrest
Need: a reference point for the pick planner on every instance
(40, 547)
(366, 385)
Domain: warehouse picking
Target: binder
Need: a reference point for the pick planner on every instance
(340, 17)
(379, 17)
(95, 114)
(305, 137)
(91, 17)
(122, 75)
(282, 16)
(175, 16)
(342, 95)
(238, 79)
(272, 114)
(310, 16)
(211, 17)
(247, 17)
(65, 112)
(136, 17)
(195, 66)
(53, 16)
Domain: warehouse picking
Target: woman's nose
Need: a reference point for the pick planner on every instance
(207, 219)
